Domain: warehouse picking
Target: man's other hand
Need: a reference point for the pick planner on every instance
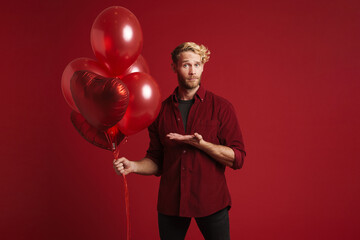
(123, 166)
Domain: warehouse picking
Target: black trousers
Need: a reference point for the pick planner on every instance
(213, 227)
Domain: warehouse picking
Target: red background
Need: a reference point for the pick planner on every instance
(290, 68)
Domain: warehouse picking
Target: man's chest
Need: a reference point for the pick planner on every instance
(202, 118)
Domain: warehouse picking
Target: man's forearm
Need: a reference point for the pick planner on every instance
(145, 166)
(223, 154)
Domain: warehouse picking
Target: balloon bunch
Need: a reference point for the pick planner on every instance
(114, 96)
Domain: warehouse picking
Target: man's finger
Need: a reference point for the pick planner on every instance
(177, 136)
(198, 136)
(171, 135)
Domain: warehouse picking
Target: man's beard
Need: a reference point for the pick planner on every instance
(189, 85)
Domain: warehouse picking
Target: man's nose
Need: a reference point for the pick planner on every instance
(191, 71)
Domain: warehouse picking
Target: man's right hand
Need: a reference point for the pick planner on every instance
(124, 166)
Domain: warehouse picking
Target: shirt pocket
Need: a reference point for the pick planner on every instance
(208, 130)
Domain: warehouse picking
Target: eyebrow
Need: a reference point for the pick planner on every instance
(185, 61)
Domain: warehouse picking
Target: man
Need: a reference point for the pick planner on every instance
(195, 136)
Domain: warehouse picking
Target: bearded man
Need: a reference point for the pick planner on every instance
(194, 138)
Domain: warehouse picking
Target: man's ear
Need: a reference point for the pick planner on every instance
(173, 66)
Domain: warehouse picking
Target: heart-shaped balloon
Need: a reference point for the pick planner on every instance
(78, 64)
(93, 135)
(101, 101)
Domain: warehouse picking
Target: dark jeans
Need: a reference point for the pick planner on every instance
(213, 227)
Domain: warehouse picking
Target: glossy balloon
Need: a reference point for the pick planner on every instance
(102, 101)
(140, 65)
(116, 39)
(144, 103)
(94, 135)
(76, 65)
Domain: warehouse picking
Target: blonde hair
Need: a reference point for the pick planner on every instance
(191, 46)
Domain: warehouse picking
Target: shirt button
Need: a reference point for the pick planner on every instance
(183, 169)
(178, 119)
(184, 151)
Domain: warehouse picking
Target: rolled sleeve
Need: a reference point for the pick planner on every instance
(230, 135)
(155, 151)
(239, 158)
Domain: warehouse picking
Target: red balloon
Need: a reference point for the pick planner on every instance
(140, 65)
(144, 103)
(76, 65)
(95, 136)
(102, 101)
(116, 39)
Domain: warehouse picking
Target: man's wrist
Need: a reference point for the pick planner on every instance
(135, 167)
(203, 145)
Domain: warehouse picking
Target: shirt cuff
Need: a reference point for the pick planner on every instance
(239, 158)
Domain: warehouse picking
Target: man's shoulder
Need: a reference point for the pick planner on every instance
(218, 99)
(165, 104)
(167, 101)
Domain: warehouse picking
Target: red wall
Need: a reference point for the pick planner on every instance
(291, 69)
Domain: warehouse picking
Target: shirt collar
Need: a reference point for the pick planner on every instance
(200, 94)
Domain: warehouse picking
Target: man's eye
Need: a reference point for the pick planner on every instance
(185, 65)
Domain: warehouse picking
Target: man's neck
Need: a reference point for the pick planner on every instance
(187, 94)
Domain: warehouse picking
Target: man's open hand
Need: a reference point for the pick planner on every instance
(195, 139)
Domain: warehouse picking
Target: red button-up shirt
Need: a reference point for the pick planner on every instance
(192, 183)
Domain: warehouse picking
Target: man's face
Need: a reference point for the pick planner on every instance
(189, 69)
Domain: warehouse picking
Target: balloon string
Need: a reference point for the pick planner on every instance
(127, 204)
(116, 153)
